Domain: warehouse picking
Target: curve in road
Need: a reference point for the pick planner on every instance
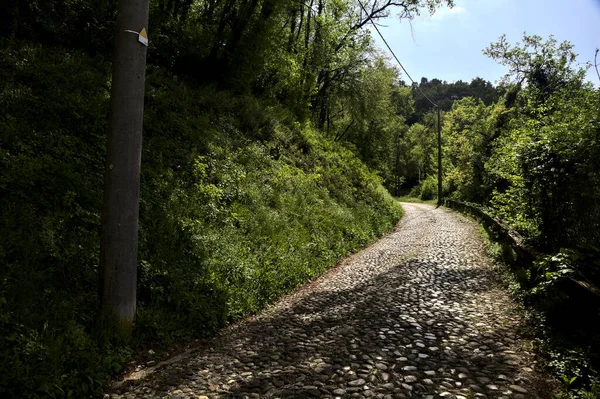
(417, 314)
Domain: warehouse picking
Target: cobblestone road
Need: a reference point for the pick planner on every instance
(416, 315)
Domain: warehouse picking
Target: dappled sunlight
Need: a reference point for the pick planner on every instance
(397, 319)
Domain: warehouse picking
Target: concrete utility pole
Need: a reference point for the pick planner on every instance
(118, 247)
(439, 143)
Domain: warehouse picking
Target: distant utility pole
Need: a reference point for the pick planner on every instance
(118, 247)
(439, 143)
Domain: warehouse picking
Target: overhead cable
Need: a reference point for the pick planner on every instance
(392, 51)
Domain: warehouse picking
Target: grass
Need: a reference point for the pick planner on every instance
(240, 204)
(416, 200)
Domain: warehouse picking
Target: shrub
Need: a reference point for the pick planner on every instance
(429, 188)
(239, 204)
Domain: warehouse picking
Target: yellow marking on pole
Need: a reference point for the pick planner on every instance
(143, 37)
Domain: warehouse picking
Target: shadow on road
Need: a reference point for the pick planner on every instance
(421, 314)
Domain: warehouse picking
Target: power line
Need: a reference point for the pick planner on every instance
(396, 58)
(439, 125)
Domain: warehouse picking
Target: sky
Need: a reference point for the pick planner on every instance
(449, 44)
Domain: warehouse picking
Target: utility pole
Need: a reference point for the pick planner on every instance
(439, 143)
(120, 214)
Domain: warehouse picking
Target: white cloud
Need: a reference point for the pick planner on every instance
(445, 12)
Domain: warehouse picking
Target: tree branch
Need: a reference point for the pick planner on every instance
(596, 63)
(375, 13)
(339, 137)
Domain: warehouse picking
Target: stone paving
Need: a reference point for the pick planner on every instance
(416, 315)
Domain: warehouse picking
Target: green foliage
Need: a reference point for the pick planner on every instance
(54, 107)
(429, 188)
(243, 195)
(532, 158)
(370, 119)
(592, 393)
(416, 155)
(445, 94)
(408, 198)
(468, 133)
(240, 203)
(500, 251)
(565, 315)
(544, 163)
(76, 24)
(540, 63)
(562, 316)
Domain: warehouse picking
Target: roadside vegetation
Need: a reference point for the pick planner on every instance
(408, 198)
(240, 203)
(529, 157)
(255, 174)
(557, 317)
(274, 135)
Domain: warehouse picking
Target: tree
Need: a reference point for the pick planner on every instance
(533, 58)
(444, 94)
(543, 169)
(468, 133)
(118, 250)
(420, 142)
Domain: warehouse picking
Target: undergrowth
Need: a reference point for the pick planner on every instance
(558, 314)
(407, 198)
(240, 203)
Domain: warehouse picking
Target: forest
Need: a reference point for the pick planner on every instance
(276, 136)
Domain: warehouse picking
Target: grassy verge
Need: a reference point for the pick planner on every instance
(240, 203)
(553, 316)
(416, 200)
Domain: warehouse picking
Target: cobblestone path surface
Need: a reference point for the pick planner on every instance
(416, 315)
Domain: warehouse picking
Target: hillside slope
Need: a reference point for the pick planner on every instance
(240, 203)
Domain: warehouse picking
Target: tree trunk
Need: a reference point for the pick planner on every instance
(439, 154)
(301, 22)
(292, 36)
(219, 34)
(397, 167)
(306, 43)
(323, 82)
(118, 247)
(239, 27)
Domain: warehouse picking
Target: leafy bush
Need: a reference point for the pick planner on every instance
(53, 110)
(240, 203)
(429, 188)
(415, 192)
(565, 314)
